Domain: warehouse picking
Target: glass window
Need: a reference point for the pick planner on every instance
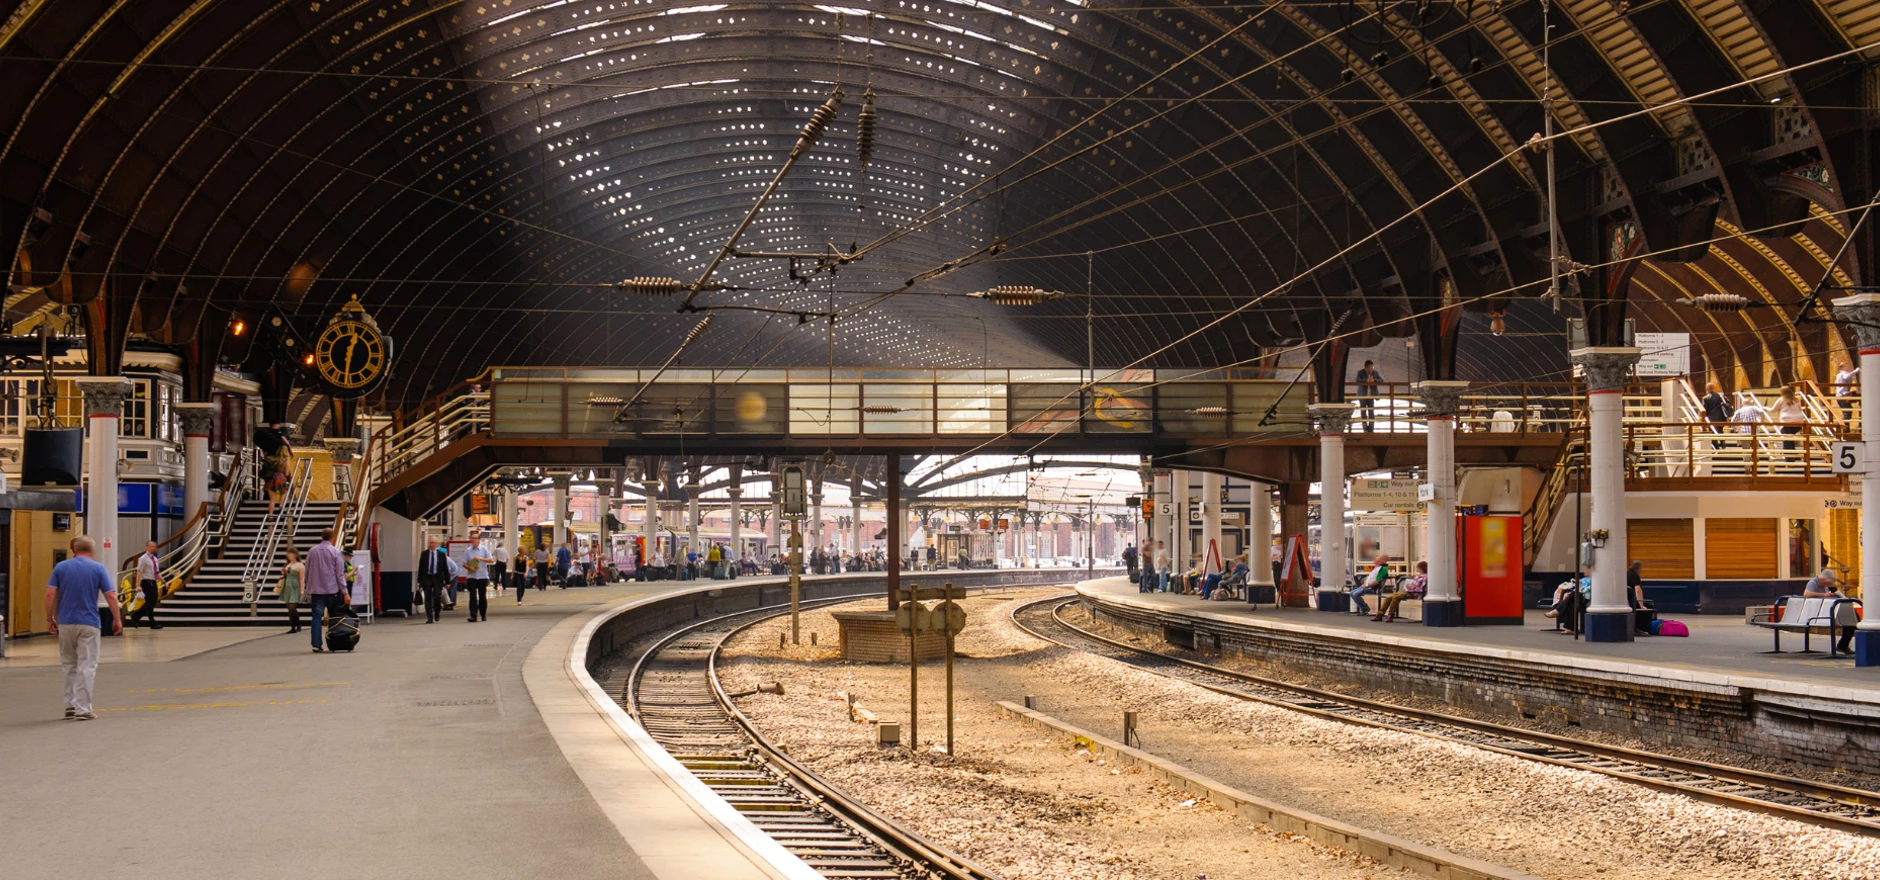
(897, 408)
(136, 411)
(971, 409)
(820, 408)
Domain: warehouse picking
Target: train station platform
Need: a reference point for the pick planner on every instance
(433, 751)
(1713, 689)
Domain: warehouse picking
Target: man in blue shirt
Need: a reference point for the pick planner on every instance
(72, 615)
(563, 558)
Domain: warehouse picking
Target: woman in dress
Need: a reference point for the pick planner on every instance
(288, 589)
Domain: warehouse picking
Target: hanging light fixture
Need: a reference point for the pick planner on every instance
(1016, 295)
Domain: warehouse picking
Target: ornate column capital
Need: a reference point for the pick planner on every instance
(1863, 308)
(561, 481)
(342, 449)
(1607, 369)
(197, 418)
(1440, 398)
(1330, 418)
(605, 486)
(736, 492)
(104, 395)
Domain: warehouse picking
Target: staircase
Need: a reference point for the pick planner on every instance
(214, 596)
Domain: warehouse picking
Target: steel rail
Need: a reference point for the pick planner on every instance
(767, 764)
(1833, 806)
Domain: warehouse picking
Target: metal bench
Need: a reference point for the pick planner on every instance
(1807, 616)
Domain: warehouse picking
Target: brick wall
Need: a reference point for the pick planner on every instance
(1821, 733)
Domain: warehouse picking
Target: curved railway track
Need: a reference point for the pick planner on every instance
(1832, 806)
(673, 691)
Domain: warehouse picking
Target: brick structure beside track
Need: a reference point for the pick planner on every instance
(1803, 724)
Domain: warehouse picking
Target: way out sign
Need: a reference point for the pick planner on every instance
(1845, 457)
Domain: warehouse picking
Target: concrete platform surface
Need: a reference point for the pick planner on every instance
(421, 755)
(1721, 649)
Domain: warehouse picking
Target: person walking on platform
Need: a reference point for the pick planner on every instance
(499, 567)
(433, 575)
(148, 586)
(1129, 562)
(477, 563)
(325, 586)
(541, 569)
(289, 589)
(72, 596)
(563, 558)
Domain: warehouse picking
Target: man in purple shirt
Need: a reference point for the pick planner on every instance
(325, 585)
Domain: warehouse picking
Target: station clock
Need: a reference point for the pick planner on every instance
(350, 352)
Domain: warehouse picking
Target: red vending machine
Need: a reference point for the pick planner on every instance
(1489, 555)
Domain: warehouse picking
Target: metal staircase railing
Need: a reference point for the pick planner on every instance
(206, 532)
(452, 420)
(268, 540)
(1539, 516)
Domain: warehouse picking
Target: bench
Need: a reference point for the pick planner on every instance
(1808, 616)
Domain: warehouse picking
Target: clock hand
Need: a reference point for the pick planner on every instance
(349, 352)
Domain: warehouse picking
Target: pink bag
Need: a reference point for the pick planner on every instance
(1673, 628)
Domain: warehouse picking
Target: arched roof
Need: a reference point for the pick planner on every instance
(476, 172)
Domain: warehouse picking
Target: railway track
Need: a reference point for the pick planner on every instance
(1832, 806)
(673, 691)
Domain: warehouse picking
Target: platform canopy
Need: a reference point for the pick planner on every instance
(1227, 179)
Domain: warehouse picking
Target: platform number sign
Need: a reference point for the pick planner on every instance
(1846, 457)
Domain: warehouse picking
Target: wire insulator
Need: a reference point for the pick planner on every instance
(1720, 302)
(1017, 295)
(692, 335)
(865, 129)
(818, 122)
(646, 285)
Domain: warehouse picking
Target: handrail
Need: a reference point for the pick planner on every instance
(186, 559)
(268, 539)
(355, 506)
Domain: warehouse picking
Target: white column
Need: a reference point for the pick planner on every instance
(1442, 606)
(1608, 616)
(1332, 420)
(104, 410)
(815, 519)
(651, 488)
(510, 520)
(737, 519)
(775, 525)
(196, 419)
(1180, 545)
(691, 521)
(1260, 534)
(561, 509)
(603, 505)
(1864, 310)
(1210, 515)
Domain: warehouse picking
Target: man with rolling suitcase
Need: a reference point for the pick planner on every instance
(325, 586)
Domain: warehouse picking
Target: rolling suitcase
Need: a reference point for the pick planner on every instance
(342, 633)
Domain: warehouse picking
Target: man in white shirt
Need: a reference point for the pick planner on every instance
(148, 586)
(476, 562)
(499, 567)
(1844, 388)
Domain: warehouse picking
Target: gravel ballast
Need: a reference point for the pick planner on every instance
(1029, 805)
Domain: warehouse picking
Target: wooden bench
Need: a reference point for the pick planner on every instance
(1808, 616)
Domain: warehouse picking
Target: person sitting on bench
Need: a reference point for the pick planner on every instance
(1827, 585)
(1373, 583)
(1233, 581)
(1412, 588)
(1570, 600)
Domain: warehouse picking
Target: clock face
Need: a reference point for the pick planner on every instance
(350, 354)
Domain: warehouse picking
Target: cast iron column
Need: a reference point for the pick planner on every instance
(197, 419)
(1442, 605)
(1332, 419)
(1865, 309)
(104, 411)
(1608, 616)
